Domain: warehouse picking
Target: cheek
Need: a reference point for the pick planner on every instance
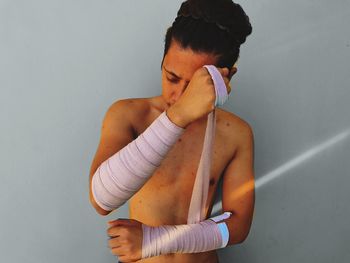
(166, 88)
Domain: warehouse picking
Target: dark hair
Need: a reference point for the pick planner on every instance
(216, 27)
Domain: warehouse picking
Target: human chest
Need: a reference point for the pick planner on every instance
(165, 197)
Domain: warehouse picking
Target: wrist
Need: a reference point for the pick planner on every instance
(176, 116)
(191, 238)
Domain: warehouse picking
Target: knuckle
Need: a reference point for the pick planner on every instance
(122, 230)
(202, 70)
(110, 244)
(209, 80)
(114, 251)
(122, 258)
(127, 233)
(199, 72)
(133, 257)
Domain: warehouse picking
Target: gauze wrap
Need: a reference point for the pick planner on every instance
(197, 210)
(119, 177)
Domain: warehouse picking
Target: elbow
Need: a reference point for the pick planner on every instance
(244, 238)
(238, 236)
(93, 202)
(98, 209)
(101, 211)
(241, 241)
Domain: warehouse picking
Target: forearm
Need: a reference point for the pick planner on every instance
(204, 236)
(118, 178)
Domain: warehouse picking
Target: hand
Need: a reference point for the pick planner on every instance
(199, 97)
(125, 239)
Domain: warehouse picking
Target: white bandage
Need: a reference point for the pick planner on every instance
(119, 177)
(191, 238)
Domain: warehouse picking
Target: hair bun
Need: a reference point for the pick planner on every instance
(226, 14)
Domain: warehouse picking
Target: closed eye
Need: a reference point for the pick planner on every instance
(172, 80)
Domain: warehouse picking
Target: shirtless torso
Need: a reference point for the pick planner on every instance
(165, 198)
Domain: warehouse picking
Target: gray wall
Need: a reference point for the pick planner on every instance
(62, 63)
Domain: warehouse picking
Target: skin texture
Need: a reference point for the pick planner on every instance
(165, 197)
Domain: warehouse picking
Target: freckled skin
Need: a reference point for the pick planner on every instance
(165, 198)
(166, 195)
(212, 181)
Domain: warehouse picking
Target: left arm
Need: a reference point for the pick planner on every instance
(238, 191)
(238, 198)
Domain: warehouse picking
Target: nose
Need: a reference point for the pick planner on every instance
(178, 93)
(177, 96)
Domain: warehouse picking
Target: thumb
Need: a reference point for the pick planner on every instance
(119, 221)
(224, 71)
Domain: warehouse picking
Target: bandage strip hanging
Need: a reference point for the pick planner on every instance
(198, 235)
(197, 209)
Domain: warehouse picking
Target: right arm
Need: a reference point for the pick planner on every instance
(116, 133)
(124, 165)
(116, 179)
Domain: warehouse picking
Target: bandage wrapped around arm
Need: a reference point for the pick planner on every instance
(119, 177)
(191, 238)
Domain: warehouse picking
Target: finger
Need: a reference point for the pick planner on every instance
(120, 221)
(232, 72)
(115, 231)
(224, 71)
(226, 80)
(227, 84)
(126, 259)
(118, 251)
(115, 222)
(114, 242)
(123, 259)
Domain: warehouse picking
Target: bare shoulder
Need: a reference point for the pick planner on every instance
(234, 127)
(130, 105)
(137, 111)
(132, 108)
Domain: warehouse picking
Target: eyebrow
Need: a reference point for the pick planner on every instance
(172, 73)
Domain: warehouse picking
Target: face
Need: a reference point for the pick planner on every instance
(178, 68)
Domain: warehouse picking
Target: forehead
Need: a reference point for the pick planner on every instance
(184, 62)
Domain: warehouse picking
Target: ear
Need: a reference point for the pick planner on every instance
(232, 72)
